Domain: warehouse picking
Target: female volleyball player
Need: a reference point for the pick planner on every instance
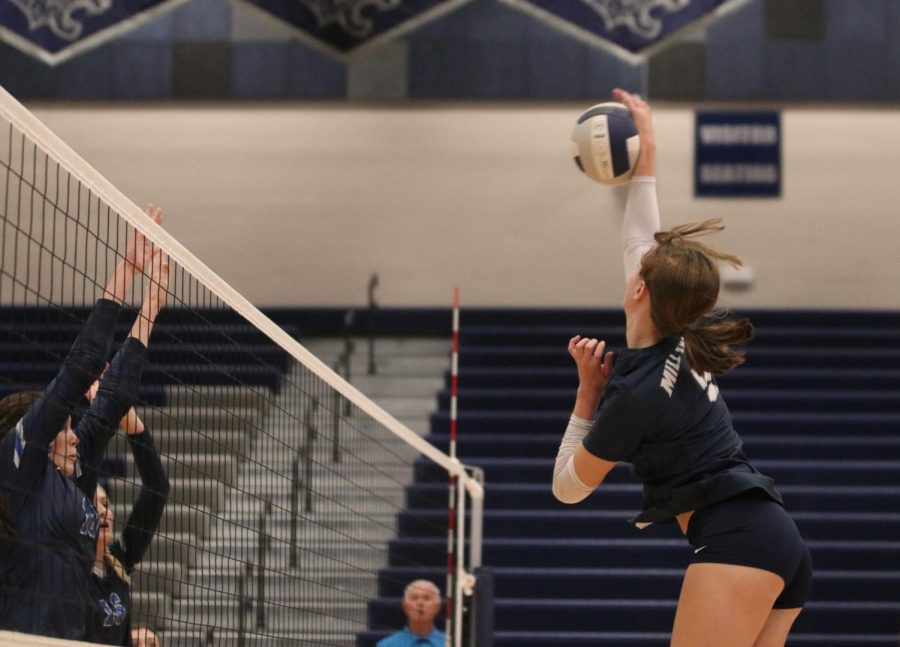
(48, 470)
(110, 586)
(657, 407)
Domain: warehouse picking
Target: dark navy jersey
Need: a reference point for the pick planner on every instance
(44, 570)
(110, 595)
(110, 608)
(673, 426)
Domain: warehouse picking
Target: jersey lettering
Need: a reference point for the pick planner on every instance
(706, 383)
(113, 610)
(671, 368)
(91, 523)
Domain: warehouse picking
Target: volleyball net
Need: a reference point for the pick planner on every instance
(287, 497)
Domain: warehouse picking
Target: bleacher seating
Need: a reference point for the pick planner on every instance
(816, 404)
(818, 407)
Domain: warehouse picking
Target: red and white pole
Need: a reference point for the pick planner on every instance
(451, 505)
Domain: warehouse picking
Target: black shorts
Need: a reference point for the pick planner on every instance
(751, 529)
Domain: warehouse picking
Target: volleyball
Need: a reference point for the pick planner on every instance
(605, 143)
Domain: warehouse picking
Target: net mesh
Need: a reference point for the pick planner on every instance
(285, 489)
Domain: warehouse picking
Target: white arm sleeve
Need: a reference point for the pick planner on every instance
(640, 223)
(567, 487)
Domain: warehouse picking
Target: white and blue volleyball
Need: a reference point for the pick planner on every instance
(605, 143)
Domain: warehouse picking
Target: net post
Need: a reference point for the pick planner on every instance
(347, 354)
(476, 533)
(349, 318)
(262, 549)
(336, 428)
(307, 449)
(460, 574)
(295, 504)
(373, 309)
(244, 606)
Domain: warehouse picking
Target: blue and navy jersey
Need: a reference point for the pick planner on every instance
(111, 604)
(673, 426)
(46, 567)
(110, 609)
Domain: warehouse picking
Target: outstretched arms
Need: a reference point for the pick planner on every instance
(144, 517)
(641, 219)
(119, 386)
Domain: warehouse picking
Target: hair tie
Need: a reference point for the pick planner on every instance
(668, 237)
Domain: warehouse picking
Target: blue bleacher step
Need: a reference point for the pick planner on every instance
(743, 377)
(627, 497)
(149, 394)
(856, 447)
(757, 357)
(647, 551)
(785, 472)
(612, 524)
(308, 616)
(529, 399)
(195, 634)
(582, 583)
(642, 639)
(810, 424)
(653, 615)
(794, 472)
(614, 335)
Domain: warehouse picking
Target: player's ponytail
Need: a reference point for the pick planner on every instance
(12, 409)
(683, 280)
(709, 343)
(117, 566)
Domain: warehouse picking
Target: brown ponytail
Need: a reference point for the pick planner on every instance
(117, 566)
(683, 280)
(708, 343)
(12, 409)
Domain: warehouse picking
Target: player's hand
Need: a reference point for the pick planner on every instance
(643, 121)
(595, 365)
(640, 112)
(158, 284)
(131, 423)
(140, 250)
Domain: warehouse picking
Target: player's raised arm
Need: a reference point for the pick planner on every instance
(641, 219)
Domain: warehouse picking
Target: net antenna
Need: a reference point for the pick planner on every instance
(452, 592)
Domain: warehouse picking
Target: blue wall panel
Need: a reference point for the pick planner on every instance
(259, 70)
(794, 70)
(203, 20)
(142, 70)
(311, 74)
(734, 54)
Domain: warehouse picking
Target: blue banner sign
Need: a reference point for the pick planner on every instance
(342, 26)
(631, 29)
(54, 30)
(737, 154)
